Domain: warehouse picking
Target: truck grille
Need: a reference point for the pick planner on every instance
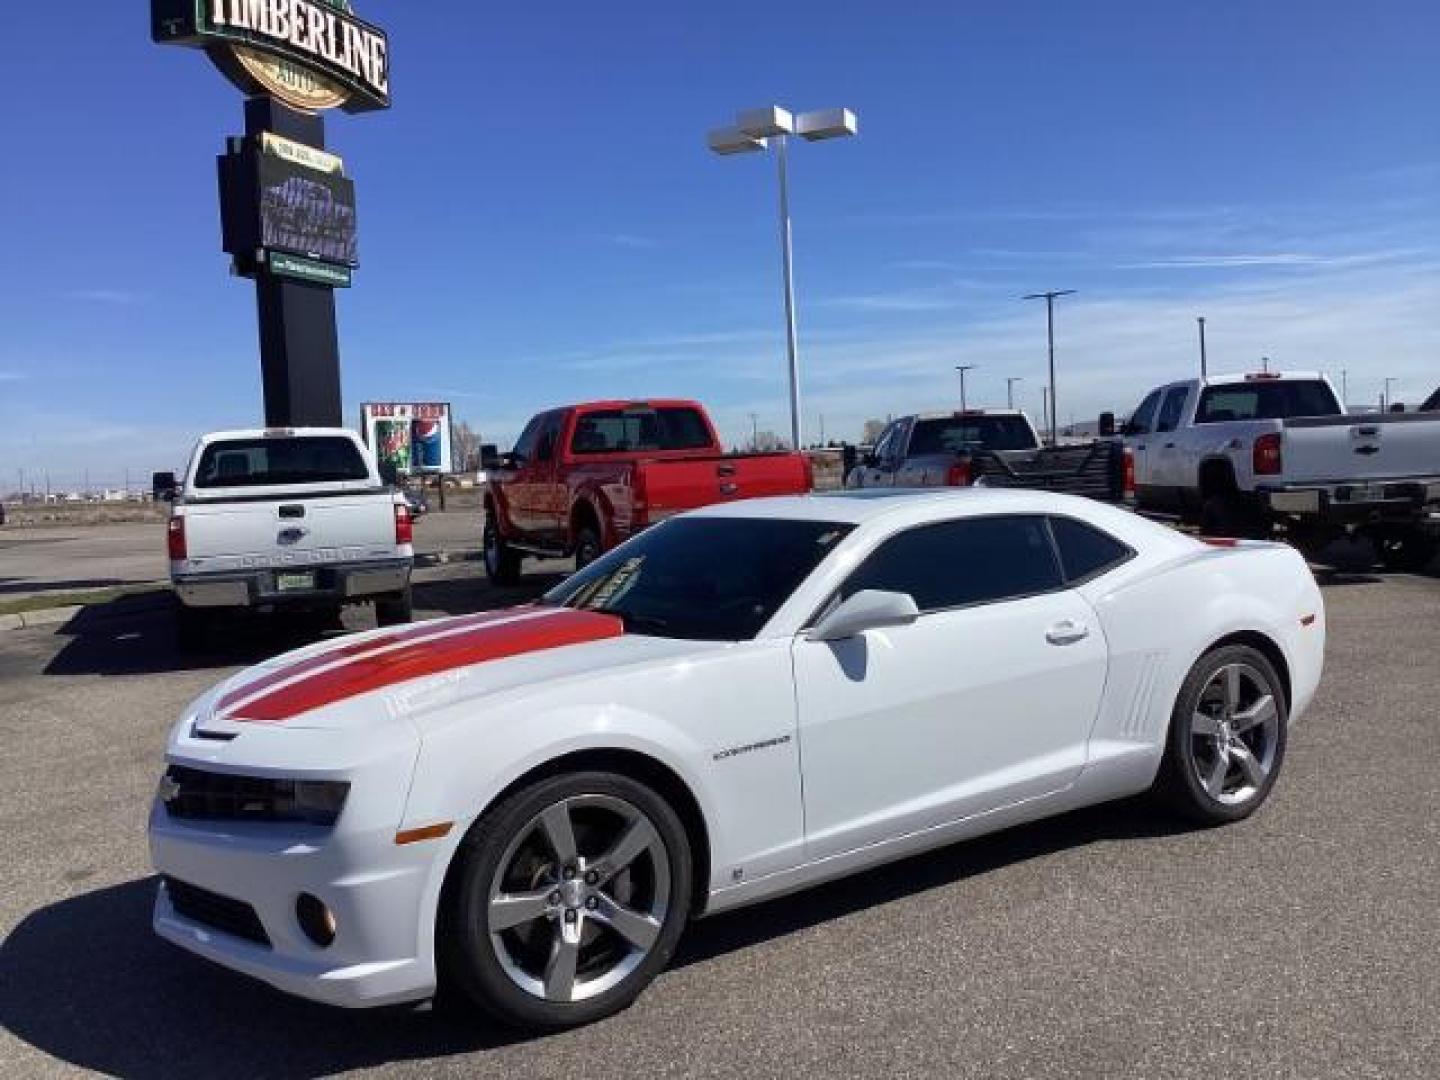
(201, 795)
(223, 913)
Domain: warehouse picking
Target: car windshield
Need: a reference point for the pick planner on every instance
(950, 435)
(260, 462)
(707, 578)
(1276, 400)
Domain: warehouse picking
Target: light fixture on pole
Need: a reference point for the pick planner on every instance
(1010, 381)
(1049, 298)
(1201, 320)
(760, 129)
(962, 368)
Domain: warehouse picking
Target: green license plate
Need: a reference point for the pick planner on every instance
(294, 582)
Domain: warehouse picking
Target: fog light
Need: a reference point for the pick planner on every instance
(317, 920)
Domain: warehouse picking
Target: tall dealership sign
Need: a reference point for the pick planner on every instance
(287, 207)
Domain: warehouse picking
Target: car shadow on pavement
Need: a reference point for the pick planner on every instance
(89, 983)
(136, 635)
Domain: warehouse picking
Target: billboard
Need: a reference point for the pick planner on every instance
(306, 211)
(412, 437)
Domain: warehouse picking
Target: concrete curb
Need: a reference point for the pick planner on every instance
(52, 616)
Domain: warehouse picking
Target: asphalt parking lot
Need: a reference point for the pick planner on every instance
(1111, 942)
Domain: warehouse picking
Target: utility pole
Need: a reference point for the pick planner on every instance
(1045, 411)
(1203, 365)
(1385, 397)
(1265, 364)
(822, 429)
(962, 368)
(1049, 298)
(1010, 381)
(754, 432)
(1344, 388)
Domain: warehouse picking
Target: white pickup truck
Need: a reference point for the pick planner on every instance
(1241, 454)
(285, 519)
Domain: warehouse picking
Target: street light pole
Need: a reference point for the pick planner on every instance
(1049, 298)
(788, 269)
(1203, 366)
(756, 130)
(1385, 398)
(962, 368)
(1010, 382)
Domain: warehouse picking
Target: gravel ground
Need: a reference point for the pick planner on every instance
(1112, 942)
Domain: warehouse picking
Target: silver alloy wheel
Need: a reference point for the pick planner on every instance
(1234, 732)
(578, 898)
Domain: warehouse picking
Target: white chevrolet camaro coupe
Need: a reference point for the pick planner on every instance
(525, 807)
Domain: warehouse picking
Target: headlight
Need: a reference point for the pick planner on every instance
(202, 795)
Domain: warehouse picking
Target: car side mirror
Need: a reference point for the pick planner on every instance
(1107, 425)
(868, 609)
(163, 486)
(389, 475)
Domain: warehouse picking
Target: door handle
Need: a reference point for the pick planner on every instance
(1067, 632)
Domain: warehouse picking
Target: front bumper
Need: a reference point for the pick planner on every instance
(376, 890)
(333, 583)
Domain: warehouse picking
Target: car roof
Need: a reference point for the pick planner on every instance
(1265, 376)
(276, 432)
(857, 507)
(960, 414)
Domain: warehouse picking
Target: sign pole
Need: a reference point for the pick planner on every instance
(299, 342)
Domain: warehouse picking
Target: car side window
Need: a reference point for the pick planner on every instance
(1170, 411)
(1086, 551)
(549, 433)
(1143, 418)
(969, 561)
(525, 445)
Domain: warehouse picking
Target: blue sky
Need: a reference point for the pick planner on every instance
(541, 222)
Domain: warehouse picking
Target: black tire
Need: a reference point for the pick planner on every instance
(192, 628)
(1179, 783)
(587, 545)
(395, 609)
(502, 562)
(1409, 551)
(1224, 514)
(468, 955)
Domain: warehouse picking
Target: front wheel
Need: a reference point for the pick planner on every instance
(395, 610)
(1408, 551)
(502, 562)
(1227, 737)
(587, 546)
(565, 901)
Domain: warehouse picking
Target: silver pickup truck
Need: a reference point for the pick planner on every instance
(1241, 454)
(286, 519)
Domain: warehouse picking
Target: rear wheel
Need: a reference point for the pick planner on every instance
(502, 562)
(192, 628)
(565, 901)
(1227, 737)
(1224, 514)
(587, 545)
(396, 609)
(1410, 550)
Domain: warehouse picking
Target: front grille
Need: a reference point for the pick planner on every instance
(201, 795)
(223, 913)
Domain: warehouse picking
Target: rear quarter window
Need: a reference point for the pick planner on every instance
(611, 431)
(1278, 400)
(1086, 551)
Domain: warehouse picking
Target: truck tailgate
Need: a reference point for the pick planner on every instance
(674, 486)
(1376, 446)
(237, 534)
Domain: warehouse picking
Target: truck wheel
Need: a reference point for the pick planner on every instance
(587, 546)
(1224, 515)
(565, 900)
(191, 628)
(394, 610)
(1226, 740)
(1409, 551)
(502, 562)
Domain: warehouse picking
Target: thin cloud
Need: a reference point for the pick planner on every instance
(122, 297)
(12, 376)
(1278, 258)
(633, 241)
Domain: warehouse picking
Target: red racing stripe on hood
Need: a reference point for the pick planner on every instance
(380, 643)
(455, 647)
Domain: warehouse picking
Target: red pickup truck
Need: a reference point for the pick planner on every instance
(583, 478)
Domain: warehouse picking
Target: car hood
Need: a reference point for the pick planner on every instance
(403, 673)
